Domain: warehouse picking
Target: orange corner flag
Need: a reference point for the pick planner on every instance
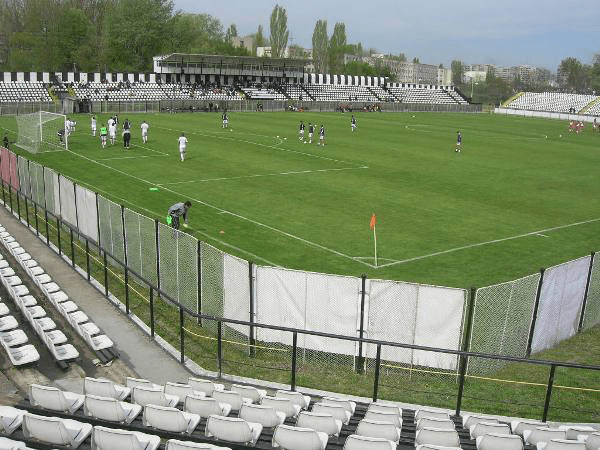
(373, 221)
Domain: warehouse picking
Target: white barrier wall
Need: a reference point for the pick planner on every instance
(415, 314)
(561, 297)
(543, 114)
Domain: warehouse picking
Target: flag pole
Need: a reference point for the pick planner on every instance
(375, 239)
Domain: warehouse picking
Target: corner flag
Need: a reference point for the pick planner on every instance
(372, 224)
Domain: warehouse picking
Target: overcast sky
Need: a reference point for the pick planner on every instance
(502, 32)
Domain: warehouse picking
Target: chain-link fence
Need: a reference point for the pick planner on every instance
(592, 307)
(178, 266)
(501, 320)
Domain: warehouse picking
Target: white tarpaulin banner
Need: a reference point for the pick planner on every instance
(236, 295)
(67, 201)
(280, 301)
(390, 316)
(560, 303)
(439, 322)
(415, 314)
(332, 306)
(87, 215)
(311, 301)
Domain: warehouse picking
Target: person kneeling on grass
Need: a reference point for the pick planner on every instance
(175, 212)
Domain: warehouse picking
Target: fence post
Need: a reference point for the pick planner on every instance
(3, 194)
(35, 213)
(199, 269)
(294, 360)
(585, 295)
(47, 227)
(10, 197)
(27, 212)
(252, 340)
(58, 234)
(376, 378)
(72, 247)
(125, 259)
(181, 336)
(535, 311)
(157, 243)
(465, 348)
(219, 348)
(548, 393)
(98, 223)
(360, 361)
(151, 312)
(18, 204)
(87, 258)
(105, 274)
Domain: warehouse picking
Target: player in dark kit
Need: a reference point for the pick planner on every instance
(311, 130)
(458, 147)
(301, 132)
(353, 124)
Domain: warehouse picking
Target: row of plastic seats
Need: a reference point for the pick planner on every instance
(55, 340)
(80, 322)
(13, 339)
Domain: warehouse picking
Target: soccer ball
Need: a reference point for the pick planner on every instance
(277, 137)
(285, 139)
(230, 129)
(560, 136)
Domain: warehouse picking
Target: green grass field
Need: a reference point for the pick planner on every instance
(518, 197)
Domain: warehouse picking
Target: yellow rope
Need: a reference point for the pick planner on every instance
(236, 343)
(499, 380)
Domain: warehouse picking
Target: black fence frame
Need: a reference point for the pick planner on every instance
(155, 290)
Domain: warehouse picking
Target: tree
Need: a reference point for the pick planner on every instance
(457, 72)
(231, 32)
(279, 31)
(337, 46)
(595, 74)
(575, 76)
(416, 60)
(74, 42)
(320, 45)
(129, 39)
(259, 38)
(195, 33)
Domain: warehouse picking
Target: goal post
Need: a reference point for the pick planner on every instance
(42, 131)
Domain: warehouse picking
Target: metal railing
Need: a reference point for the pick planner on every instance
(30, 212)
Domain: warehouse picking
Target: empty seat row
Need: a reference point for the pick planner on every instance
(55, 340)
(13, 339)
(67, 308)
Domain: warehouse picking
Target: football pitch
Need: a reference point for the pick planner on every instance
(522, 194)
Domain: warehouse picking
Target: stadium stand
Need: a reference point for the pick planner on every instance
(551, 102)
(23, 91)
(140, 91)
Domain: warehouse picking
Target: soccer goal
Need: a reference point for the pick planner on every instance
(42, 132)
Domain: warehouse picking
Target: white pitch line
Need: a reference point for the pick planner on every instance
(239, 216)
(263, 175)
(541, 235)
(131, 157)
(494, 241)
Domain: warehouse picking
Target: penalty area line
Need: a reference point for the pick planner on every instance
(493, 241)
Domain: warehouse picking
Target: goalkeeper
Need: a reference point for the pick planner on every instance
(175, 212)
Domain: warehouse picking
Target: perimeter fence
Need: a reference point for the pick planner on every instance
(177, 105)
(387, 339)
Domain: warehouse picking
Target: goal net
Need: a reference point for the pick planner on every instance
(42, 132)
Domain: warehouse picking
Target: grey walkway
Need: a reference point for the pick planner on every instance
(137, 350)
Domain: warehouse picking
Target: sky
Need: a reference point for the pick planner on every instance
(506, 32)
